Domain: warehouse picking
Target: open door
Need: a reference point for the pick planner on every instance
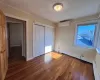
(3, 52)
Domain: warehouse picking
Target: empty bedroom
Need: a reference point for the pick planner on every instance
(49, 39)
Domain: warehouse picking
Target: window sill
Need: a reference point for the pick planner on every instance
(98, 50)
(84, 47)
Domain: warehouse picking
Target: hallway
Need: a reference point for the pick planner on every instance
(15, 54)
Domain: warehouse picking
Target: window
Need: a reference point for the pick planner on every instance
(85, 35)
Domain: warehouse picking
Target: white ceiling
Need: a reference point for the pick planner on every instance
(72, 8)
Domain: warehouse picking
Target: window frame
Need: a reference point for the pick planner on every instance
(95, 32)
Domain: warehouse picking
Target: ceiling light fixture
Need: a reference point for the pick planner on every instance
(58, 6)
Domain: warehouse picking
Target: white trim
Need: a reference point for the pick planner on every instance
(45, 25)
(16, 17)
(96, 74)
(94, 69)
(33, 47)
(28, 59)
(98, 50)
(96, 35)
(75, 38)
(88, 21)
(76, 56)
(97, 40)
(9, 15)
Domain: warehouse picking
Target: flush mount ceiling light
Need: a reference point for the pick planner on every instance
(58, 6)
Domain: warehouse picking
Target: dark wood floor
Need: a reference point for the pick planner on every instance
(52, 66)
(15, 54)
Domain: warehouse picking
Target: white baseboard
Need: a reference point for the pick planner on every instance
(78, 57)
(28, 59)
(35, 57)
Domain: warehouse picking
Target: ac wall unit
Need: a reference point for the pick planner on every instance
(64, 23)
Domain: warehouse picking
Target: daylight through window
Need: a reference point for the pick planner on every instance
(85, 35)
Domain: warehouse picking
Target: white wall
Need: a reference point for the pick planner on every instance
(16, 34)
(65, 37)
(30, 19)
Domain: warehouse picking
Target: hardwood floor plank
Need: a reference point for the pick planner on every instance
(51, 66)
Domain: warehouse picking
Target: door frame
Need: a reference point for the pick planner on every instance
(26, 25)
(44, 25)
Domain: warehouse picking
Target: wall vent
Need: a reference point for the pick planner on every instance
(64, 23)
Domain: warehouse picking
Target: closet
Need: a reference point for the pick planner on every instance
(39, 40)
(43, 39)
(49, 39)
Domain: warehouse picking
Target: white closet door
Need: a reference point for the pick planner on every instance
(39, 40)
(49, 39)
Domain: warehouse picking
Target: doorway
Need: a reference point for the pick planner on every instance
(16, 34)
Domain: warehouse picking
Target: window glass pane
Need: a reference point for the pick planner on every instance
(85, 35)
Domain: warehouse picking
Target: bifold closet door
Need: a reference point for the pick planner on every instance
(39, 40)
(49, 39)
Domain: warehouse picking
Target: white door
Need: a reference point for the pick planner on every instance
(39, 40)
(49, 39)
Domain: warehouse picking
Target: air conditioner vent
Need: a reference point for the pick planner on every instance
(64, 23)
(65, 20)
